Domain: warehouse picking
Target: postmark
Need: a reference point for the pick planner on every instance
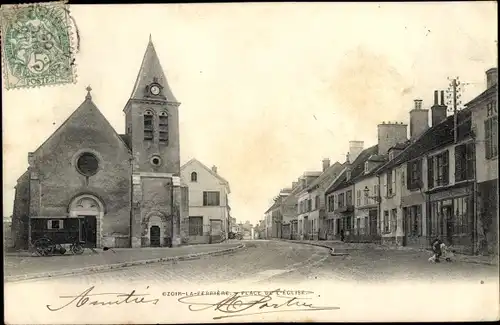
(37, 46)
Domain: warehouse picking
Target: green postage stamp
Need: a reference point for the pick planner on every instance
(37, 45)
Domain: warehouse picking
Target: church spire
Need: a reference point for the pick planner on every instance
(151, 71)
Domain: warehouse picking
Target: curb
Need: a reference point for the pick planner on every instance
(318, 245)
(106, 267)
(387, 248)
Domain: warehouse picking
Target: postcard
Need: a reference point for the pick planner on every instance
(250, 162)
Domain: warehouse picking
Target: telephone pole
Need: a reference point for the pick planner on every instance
(454, 94)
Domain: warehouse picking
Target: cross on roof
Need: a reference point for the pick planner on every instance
(89, 89)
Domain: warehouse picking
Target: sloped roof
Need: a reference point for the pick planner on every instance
(484, 94)
(150, 70)
(127, 140)
(357, 168)
(336, 167)
(340, 179)
(273, 206)
(435, 137)
(216, 175)
(87, 104)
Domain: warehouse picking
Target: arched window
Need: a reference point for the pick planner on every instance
(194, 177)
(148, 125)
(163, 127)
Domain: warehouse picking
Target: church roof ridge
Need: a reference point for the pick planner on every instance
(149, 71)
(84, 104)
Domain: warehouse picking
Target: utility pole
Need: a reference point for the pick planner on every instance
(454, 94)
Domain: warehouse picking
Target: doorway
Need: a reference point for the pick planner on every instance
(88, 230)
(155, 236)
(373, 222)
(448, 221)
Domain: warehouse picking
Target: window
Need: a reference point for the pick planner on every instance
(195, 226)
(464, 162)
(155, 161)
(386, 221)
(491, 135)
(87, 164)
(211, 198)
(394, 220)
(366, 167)
(438, 169)
(358, 197)
(309, 205)
(366, 195)
(358, 226)
(55, 224)
(413, 217)
(348, 198)
(414, 175)
(341, 200)
(163, 127)
(461, 209)
(194, 177)
(389, 183)
(316, 202)
(148, 125)
(331, 203)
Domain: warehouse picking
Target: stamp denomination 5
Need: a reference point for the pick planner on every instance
(36, 45)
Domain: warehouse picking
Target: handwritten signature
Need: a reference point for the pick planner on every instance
(253, 304)
(89, 298)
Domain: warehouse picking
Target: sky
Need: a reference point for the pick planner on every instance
(266, 90)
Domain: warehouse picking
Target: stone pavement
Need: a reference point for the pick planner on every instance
(340, 247)
(24, 266)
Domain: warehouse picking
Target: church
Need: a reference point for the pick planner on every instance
(87, 182)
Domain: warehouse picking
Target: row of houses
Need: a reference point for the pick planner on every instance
(441, 181)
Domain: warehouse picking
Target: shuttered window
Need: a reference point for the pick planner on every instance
(491, 137)
(195, 226)
(148, 125)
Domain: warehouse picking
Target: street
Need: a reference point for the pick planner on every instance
(284, 263)
(381, 278)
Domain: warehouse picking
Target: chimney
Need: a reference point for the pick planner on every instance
(326, 163)
(390, 134)
(438, 111)
(419, 120)
(355, 148)
(214, 169)
(491, 77)
(302, 182)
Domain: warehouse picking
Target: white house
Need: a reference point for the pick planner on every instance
(208, 203)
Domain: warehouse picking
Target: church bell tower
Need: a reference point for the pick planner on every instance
(152, 126)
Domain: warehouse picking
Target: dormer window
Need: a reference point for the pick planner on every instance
(391, 155)
(366, 167)
(348, 175)
(194, 177)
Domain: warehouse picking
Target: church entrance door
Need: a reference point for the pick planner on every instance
(88, 230)
(154, 239)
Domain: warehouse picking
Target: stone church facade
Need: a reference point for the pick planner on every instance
(88, 182)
